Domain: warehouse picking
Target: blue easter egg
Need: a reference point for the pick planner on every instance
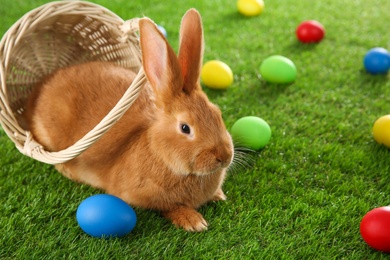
(162, 30)
(105, 216)
(377, 61)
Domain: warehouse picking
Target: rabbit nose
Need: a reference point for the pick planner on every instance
(223, 157)
(222, 163)
(219, 160)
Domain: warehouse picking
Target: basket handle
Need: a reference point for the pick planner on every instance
(36, 151)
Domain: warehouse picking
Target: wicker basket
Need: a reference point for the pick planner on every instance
(56, 35)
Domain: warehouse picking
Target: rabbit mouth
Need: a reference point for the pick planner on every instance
(217, 165)
(216, 161)
(208, 171)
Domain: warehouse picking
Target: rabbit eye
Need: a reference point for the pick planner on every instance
(185, 129)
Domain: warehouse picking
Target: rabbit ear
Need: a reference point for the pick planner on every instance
(191, 49)
(159, 61)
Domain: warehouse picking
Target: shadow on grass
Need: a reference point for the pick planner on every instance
(236, 16)
(374, 86)
(374, 79)
(251, 94)
(298, 47)
(270, 91)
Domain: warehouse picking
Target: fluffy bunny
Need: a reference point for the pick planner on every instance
(170, 150)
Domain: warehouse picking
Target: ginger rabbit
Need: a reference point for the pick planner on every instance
(169, 152)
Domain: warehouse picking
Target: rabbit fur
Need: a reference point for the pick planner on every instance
(169, 152)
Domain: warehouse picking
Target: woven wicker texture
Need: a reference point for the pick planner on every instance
(56, 35)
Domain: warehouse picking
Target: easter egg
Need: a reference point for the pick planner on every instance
(278, 69)
(310, 32)
(105, 216)
(216, 74)
(162, 30)
(251, 132)
(377, 61)
(375, 228)
(250, 7)
(381, 130)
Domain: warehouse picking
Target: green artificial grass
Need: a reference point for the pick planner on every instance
(304, 195)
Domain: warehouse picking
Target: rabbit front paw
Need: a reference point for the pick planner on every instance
(219, 195)
(186, 218)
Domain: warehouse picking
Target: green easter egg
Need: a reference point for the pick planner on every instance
(251, 132)
(278, 69)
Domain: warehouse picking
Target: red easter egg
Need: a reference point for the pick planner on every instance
(310, 32)
(375, 228)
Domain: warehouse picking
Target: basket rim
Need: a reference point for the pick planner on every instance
(44, 12)
(22, 138)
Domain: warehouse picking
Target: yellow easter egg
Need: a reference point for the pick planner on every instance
(216, 74)
(381, 130)
(250, 7)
